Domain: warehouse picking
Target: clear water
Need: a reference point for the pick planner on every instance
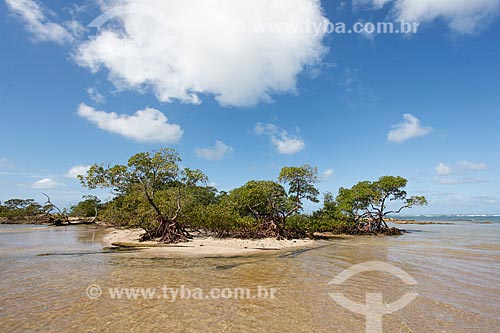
(473, 218)
(456, 266)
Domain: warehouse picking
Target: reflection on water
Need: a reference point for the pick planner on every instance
(456, 266)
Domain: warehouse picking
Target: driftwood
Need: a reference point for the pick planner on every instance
(62, 219)
(57, 220)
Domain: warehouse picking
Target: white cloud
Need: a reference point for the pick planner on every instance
(95, 96)
(261, 128)
(215, 153)
(471, 166)
(456, 173)
(241, 52)
(148, 125)
(461, 168)
(459, 181)
(408, 129)
(443, 169)
(76, 29)
(283, 142)
(287, 145)
(34, 18)
(327, 174)
(463, 16)
(46, 183)
(77, 170)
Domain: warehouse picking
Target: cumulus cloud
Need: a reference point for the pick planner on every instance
(77, 170)
(327, 174)
(35, 20)
(463, 16)
(408, 129)
(148, 125)
(46, 183)
(282, 141)
(241, 52)
(215, 153)
(443, 169)
(287, 145)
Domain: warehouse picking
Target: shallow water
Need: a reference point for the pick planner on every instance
(45, 273)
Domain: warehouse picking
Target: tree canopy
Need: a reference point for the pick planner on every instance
(153, 192)
(301, 182)
(20, 208)
(150, 174)
(367, 202)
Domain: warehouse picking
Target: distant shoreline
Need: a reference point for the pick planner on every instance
(398, 221)
(44, 220)
(444, 219)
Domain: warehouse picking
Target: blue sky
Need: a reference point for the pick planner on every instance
(240, 104)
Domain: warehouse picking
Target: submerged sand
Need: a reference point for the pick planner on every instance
(206, 246)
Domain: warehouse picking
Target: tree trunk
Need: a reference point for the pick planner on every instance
(170, 231)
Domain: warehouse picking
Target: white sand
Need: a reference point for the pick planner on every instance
(209, 246)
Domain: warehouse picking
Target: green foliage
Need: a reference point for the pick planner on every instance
(17, 208)
(330, 217)
(268, 203)
(301, 182)
(221, 219)
(258, 198)
(330, 208)
(151, 171)
(302, 222)
(153, 191)
(88, 207)
(353, 202)
(124, 210)
(366, 202)
(17, 203)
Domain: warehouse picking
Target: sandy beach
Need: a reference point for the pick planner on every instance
(203, 246)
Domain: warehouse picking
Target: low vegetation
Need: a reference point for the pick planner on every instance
(153, 192)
